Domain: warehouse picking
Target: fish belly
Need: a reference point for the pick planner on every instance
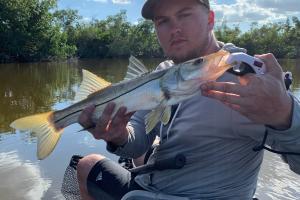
(145, 97)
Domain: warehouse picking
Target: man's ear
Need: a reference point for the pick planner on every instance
(211, 19)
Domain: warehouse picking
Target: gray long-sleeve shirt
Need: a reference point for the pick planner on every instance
(217, 143)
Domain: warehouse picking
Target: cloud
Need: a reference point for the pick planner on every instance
(113, 1)
(100, 1)
(260, 11)
(121, 1)
(282, 6)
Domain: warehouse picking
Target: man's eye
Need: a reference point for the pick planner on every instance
(161, 21)
(184, 15)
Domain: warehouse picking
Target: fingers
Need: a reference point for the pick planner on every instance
(234, 102)
(105, 118)
(272, 65)
(128, 116)
(108, 127)
(85, 118)
(234, 107)
(226, 97)
(119, 117)
(224, 87)
(231, 94)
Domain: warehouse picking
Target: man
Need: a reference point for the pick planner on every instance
(215, 130)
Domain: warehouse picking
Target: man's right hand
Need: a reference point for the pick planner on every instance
(109, 128)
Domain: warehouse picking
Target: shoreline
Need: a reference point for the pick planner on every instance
(75, 59)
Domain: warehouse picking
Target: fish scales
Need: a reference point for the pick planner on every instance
(115, 92)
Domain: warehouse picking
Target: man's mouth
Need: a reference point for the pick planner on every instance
(177, 42)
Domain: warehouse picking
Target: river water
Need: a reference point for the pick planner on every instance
(33, 88)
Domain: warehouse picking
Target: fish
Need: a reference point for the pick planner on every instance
(155, 91)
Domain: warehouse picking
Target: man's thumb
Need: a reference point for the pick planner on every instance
(272, 65)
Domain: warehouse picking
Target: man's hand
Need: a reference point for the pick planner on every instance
(109, 128)
(261, 98)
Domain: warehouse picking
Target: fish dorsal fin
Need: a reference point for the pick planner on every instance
(135, 68)
(162, 114)
(90, 84)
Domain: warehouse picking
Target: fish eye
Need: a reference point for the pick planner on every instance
(198, 61)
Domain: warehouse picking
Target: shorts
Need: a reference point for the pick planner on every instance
(109, 181)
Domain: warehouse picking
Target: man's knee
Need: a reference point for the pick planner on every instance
(86, 164)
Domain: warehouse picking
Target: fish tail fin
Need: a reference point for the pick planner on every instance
(43, 125)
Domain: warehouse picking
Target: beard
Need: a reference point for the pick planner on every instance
(202, 49)
(183, 57)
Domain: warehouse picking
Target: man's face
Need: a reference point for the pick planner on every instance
(183, 28)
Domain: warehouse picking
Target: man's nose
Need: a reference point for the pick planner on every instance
(175, 27)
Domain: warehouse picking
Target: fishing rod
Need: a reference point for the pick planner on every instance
(176, 162)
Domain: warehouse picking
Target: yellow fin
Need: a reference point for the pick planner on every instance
(90, 84)
(152, 119)
(159, 114)
(43, 126)
(166, 115)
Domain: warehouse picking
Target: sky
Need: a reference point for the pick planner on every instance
(235, 12)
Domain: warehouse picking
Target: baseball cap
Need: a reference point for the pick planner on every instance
(147, 10)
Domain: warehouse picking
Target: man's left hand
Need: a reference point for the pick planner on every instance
(261, 98)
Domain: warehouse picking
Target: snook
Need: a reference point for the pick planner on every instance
(155, 91)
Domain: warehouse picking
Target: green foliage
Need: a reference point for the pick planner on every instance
(281, 39)
(116, 37)
(59, 47)
(143, 41)
(35, 30)
(92, 40)
(226, 34)
(27, 31)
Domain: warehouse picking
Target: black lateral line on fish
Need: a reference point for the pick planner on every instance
(110, 99)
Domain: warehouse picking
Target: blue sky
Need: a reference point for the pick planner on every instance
(234, 12)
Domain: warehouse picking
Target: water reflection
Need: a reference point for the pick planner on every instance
(23, 180)
(33, 88)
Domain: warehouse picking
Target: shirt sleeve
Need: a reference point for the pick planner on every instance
(288, 140)
(138, 141)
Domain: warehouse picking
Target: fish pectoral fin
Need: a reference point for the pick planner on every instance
(162, 114)
(166, 115)
(43, 126)
(90, 84)
(135, 68)
(152, 119)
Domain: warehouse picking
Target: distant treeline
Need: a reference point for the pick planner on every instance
(35, 30)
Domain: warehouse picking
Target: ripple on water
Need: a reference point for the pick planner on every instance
(277, 181)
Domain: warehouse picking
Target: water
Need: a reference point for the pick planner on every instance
(32, 88)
